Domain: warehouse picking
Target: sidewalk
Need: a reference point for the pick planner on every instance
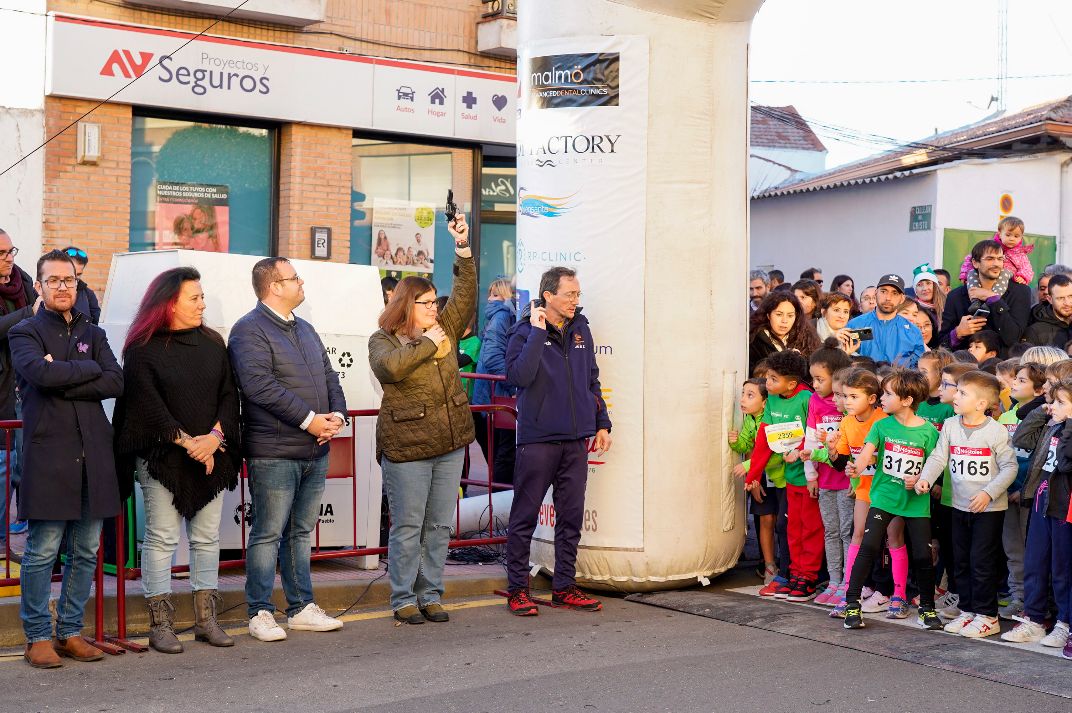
(338, 585)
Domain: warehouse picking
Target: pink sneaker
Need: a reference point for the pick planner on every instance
(825, 596)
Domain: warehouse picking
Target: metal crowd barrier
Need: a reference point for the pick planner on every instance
(502, 414)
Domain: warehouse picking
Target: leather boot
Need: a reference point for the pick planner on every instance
(162, 627)
(207, 628)
(77, 648)
(42, 655)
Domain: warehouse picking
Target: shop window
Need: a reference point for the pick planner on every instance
(200, 186)
(398, 194)
(498, 225)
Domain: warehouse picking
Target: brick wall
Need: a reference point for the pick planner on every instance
(369, 27)
(314, 188)
(87, 205)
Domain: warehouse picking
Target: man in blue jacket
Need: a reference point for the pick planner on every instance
(292, 405)
(551, 359)
(896, 340)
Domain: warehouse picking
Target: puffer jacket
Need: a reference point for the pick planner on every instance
(425, 412)
(283, 373)
(499, 318)
(1046, 329)
(1034, 434)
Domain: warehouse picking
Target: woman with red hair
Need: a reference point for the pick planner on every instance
(177, 430)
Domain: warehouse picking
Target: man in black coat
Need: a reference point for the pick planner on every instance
(65, 370)
(1006, 314)
(18, 300)
(1050, 321)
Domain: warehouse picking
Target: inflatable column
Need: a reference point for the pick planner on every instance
(632, 153)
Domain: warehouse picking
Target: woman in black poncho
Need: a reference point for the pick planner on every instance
(176, 428)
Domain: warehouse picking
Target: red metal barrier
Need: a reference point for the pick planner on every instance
(503, 415)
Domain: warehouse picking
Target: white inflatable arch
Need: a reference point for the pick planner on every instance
(632, 159)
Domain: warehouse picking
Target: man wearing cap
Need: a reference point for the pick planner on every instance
(896, 340)
(1007, 314)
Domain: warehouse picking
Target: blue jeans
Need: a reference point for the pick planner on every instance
(42, 548)
(162, 523)
(422, 495)
(286, 498)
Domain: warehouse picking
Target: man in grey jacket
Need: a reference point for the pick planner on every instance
(292, 405)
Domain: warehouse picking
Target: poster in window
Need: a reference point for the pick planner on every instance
(403, 236)
(192, 216)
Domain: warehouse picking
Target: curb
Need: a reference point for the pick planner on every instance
(333, 597)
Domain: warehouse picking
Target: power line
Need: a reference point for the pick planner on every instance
(99, 104)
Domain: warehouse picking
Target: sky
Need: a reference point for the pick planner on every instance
(799, 41)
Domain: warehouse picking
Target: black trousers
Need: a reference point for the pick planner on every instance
(977, 559)
(918, 537)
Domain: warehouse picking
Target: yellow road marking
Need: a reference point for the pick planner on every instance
(361, 616)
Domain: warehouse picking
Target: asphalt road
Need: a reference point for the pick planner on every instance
(630, 657)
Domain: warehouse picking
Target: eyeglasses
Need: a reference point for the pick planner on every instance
(427, 304)
(77, 252)
(571, 296)
(68, 282)
(295, 278)
(5, 254)
(948, 384)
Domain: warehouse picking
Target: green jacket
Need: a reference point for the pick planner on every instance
(746, 441)
(424, 412)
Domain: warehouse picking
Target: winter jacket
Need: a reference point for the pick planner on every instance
(498, 319)
(1046, 328)
(283, 373)
(1061, 480)
(65, 430)
(425, 412)
(1036, 433)
(85, 301)
(1008, 316)
(896, 341)
(7, 374)
(559, 397)
(762, 346)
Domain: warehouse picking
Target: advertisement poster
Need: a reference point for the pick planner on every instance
(403, 236)
(582, 168)
(192, 216)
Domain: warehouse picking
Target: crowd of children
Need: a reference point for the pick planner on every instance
(962, 475)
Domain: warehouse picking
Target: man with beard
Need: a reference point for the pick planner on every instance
(896, 340)
(1006, 314)
(758, 287)
(1050, 320)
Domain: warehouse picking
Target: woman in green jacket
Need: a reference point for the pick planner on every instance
(423, 428)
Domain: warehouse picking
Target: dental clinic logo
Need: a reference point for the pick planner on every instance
(542, 259)
(539, 206)
(211, 72)
(573, 80)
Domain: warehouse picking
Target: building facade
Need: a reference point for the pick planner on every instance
(325, 129)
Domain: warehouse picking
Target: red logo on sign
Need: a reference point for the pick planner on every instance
(123, 60)
(968, 451)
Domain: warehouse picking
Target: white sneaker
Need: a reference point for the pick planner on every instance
(313, 618)
(958, 625)
(1026, 632)
(981, 626)
(875, 603)
(264, 627)
(1058, 637)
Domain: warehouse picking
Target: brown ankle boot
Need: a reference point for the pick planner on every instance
(162, 626)
(207, 628)
(77, 648)
(41, 655)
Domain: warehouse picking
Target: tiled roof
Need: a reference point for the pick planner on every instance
(771, 133)
(981, 139)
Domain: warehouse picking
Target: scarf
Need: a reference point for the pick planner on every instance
(13, 291)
